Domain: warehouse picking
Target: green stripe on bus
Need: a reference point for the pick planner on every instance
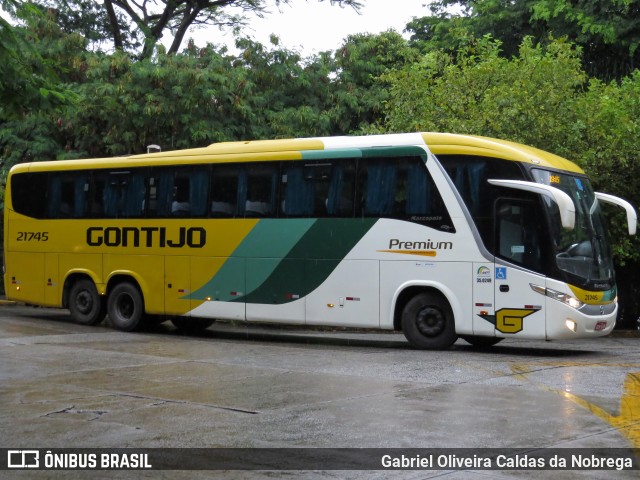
(311, 261)
(266, 240)
(327, 154)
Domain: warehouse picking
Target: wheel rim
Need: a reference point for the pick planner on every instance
(84, 302)
(125, 306)
(431, 321)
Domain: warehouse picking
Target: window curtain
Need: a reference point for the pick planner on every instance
(55, 195)
(418, 190)
(242, 192)
(198, 188)
(468, 181)
(164, 195)
(381, 188)
(80, 196)
(298, 199)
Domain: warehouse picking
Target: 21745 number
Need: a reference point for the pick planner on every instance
(33, 236)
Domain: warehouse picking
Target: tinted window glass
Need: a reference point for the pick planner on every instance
(401, 187)
(67, 194)
(470, 175)
(318, 189)
(261, 190)
(519, 233)
(118, 194)
(28, 194)
(225, 192)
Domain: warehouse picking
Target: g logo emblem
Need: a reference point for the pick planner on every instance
(510, 320)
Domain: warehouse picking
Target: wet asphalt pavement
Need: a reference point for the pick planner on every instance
(70, 386)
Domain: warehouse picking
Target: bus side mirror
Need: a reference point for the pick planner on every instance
(564, 202)
(632, 217)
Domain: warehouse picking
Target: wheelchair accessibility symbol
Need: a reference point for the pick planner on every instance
(501, 273)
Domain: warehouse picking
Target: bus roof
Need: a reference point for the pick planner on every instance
(293, 149)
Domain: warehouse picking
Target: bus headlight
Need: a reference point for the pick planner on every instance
(565, 298)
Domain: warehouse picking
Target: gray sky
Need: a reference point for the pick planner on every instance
(310, 26)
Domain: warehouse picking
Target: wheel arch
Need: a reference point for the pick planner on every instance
(74, 276)
(118, 277)
(409, 290)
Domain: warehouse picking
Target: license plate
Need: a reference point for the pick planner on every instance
(600, 326)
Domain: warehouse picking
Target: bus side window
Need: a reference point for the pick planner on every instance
(225, 180)
(318, 189)
(306, 189)
(67, 195)
(180, 204)
(341, 188)
(118, 194)
(96, 197)
(378, 186)
(133, 202)
(28, 194)
(160, 192)
(191, 188)
(261, 190)
(298, 190)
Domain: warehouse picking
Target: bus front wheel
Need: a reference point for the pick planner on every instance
(85, 304)
(427, 322)
(125, 307)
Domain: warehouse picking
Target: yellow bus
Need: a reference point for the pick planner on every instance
(438, 235)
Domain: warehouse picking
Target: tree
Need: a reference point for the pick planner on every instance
(153, 20)
(506, 20)
(528, 98)
(359, 95)
(27, 79)
(607, 30)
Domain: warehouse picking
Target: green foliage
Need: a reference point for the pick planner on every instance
(506, 20)
(526, 98)
(173, 101)
(28, 79)
(359, 94)
(607, 30)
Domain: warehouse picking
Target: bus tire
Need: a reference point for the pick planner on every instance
(125, 307)
(187, 324)
(85, 304)
(481, 342)
(428, 323)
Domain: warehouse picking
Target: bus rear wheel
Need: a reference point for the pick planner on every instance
(85, 304)
(192, 324)
(427, 322)
(125, 307)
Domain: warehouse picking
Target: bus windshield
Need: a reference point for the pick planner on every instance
(585, 251)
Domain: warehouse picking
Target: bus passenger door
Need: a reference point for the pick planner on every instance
(519, 310)
(177, 285)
